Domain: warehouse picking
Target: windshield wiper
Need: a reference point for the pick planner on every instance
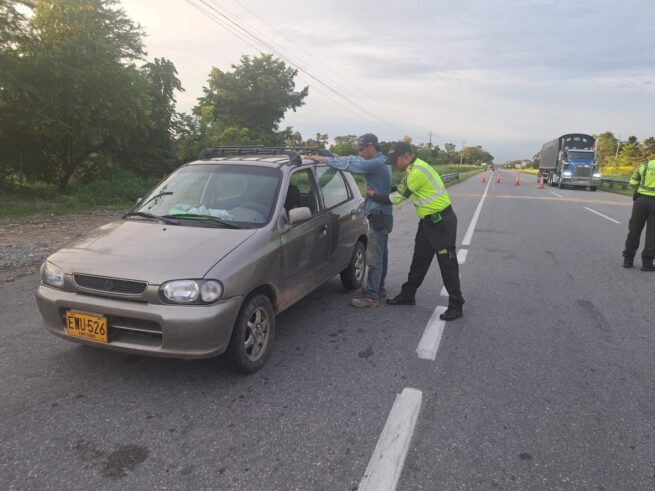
(143, 214)
(158, 195)
(203, 219)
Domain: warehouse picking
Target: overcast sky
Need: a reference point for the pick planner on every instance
(505, 74)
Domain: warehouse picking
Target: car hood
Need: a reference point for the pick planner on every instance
(148, 251)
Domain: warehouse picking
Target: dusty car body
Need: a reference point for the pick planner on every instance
(203, 264)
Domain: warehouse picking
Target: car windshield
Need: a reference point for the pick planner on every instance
(242, 194)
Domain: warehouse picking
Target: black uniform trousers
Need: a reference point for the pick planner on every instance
(643, 213)
(431, 238)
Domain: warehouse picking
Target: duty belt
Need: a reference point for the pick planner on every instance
(438, 216)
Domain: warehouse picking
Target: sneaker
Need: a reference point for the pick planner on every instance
(628, 262)
(648, 266)
(451, 314)
(364, 302)
(401, 300)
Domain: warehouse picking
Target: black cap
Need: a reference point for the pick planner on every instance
(398, 149)
(366, 140)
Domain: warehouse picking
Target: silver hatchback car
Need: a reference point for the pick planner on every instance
(202, 265)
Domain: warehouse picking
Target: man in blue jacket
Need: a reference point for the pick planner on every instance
(371, 163)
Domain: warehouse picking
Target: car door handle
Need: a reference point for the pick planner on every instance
(323, 231)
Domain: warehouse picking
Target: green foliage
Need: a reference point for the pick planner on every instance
(116, 191)
(73, 94)
(150, 148)
(344, 145)
(256, 95)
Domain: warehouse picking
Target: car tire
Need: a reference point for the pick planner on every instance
(593, 188)
(353, 276)
(253, 335)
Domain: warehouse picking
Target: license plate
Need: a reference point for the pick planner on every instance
(87, 326)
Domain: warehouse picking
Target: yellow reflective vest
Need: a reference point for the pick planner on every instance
(643, 179)
(423, 186)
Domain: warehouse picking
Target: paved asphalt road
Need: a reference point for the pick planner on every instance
(548, 382)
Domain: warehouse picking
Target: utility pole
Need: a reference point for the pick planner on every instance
(461, 154)
(618, 144)
(430, 141)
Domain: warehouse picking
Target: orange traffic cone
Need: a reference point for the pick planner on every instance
(498, 178)
(541, 183)
(517, 182)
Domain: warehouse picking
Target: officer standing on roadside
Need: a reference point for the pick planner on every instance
(643, 213)
(371, 163)
(437, 228)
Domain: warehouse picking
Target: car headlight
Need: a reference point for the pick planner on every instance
(192, 291)
(566, 174)
(52, 275)
(596, 175)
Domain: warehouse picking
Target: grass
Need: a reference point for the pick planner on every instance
(113, 194)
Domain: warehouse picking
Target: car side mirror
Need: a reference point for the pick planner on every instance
(297, 215)
(138, 200)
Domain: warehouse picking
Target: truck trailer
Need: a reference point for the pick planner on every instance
(569, 161)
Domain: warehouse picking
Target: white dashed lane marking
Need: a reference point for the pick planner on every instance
(600, 214)
(429, 343)
(386, 464)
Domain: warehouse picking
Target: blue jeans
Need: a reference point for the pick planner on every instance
(377, 257)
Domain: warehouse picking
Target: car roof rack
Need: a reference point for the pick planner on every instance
(294, 153)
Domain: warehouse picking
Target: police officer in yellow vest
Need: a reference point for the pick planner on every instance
(643, 213)
(437, 228)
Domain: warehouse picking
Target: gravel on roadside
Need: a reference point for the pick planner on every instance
(26, 242)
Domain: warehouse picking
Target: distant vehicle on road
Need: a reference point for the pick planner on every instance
(569, 161)
(206, 261)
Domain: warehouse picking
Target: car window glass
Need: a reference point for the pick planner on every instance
(303, 181)
(234, 193)
(332, 185)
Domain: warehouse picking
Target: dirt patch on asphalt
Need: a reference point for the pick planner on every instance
(26, 242)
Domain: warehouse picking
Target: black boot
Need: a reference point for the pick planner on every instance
(628, 262)
(401, 299)
(452, 313)
(647, 265)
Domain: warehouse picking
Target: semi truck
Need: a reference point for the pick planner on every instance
(569, 161)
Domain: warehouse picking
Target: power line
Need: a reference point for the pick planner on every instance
(258, 48)
(297, 65)
(249, 37)
(345, 79)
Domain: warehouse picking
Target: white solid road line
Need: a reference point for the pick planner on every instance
(429, 343)
(388, 458)
(476, 215)
(461, 256)
(600, 214)
(558, 195)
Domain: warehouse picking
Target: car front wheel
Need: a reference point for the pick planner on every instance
(353, 276)
(252, 336)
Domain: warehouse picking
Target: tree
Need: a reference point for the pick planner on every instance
(344, 145)
(648, 148)
(149, 149)
(319, 141)
(255, 95)
(606, 146)
(79, 91)
(450, 148)
(14, 28)
(475, 155)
